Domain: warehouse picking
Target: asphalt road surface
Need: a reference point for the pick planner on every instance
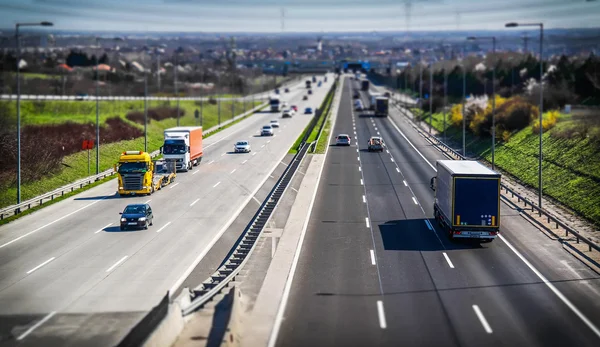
(376, 270)
(70, 277)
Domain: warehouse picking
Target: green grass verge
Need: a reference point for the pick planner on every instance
(570, 169)
(75, 166)
(323, 140)
(57, 199)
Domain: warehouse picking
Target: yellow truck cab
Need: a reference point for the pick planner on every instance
(135, 172)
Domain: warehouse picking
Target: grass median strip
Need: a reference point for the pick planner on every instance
(325, 107)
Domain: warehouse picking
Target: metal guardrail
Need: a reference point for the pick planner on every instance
(9, 97)
(533, 207)
(79, 184)
(236, 261)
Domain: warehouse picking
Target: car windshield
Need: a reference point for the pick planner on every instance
(242, 143)
(274, 121)
(134, 209)
(174, 148)
(132, 167)
(342, 137)
(267, 127)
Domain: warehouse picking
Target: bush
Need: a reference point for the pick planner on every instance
(548, 121)
(157, 113)
(43, 147)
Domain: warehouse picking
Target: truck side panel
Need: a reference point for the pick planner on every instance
(196, 144)
(443, 192)
(476, 202)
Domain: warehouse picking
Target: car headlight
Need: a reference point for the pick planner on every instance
(121, 188)
(142, 219)
(123, 219)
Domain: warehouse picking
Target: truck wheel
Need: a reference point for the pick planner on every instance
(190, 166)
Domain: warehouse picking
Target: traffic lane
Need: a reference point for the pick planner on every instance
(19, 257)
(544, 253)
(401, 237)
(47, 217)
(335, 284)
(124, 253)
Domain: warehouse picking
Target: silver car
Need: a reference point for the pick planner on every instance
(343, 140)
(275, 123)
(267, 130)
(242, 147)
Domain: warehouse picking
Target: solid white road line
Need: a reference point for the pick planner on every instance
(42, 264)
(415, 200)
(106, 226)
(553, 289)
(210, 162)
(116, 264)
(148, 201)
(244, 162)
(398, 170)
(217, 184)
(56, 220)
(173, 186)
(361, 182)
(482, 319)
(411, 144)
(372, 257)
(367, 222)
(164, 226)
(448, 260)
(406, 184)
(194, 203)
(232, 171)
(381, 314)
(364, 199)
(36, 325)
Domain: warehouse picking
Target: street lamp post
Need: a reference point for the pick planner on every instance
(145, 110)
(463, 108)
(420, 85)
(17, 26)
(430, 94)
(175, 84)
(541, 26)
(493, 38)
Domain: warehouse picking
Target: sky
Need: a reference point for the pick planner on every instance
(298, 15)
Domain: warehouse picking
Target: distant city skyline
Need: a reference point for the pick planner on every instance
(299, 15)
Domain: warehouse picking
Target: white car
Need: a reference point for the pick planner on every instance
(267, 130)
(242, 147)
(287, 114)
(275, 123)
(289, 110)
(343, 140)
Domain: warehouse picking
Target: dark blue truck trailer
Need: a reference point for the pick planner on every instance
(467, 199)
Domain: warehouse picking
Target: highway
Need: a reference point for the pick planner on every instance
(69, 276)
(376, 270)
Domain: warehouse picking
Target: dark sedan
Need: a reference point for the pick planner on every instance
(136, 216)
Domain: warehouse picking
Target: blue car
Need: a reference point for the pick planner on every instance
(308, 110)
